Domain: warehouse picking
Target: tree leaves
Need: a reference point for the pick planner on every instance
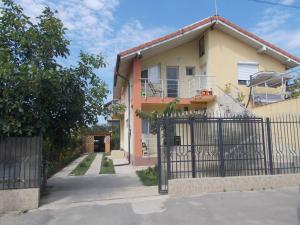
(37, 93)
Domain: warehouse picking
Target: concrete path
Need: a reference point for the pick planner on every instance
(270, 207)
(74, 189)
(69, 168)
(95, 166)
(126, 169)
(96, 187)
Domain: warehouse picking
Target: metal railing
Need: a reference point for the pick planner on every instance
(20, 162)
(149, 145)
(182, 88)
(196, 146)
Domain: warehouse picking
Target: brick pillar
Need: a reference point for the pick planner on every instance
(136, 131)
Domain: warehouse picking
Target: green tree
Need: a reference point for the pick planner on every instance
(295, 87)
(38, 93)
(171, 108)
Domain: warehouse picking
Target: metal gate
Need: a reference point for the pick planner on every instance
(197, 146)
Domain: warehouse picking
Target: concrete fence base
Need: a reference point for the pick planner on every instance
(19, 199)
(194, 186)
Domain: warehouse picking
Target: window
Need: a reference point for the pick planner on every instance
(190, 70)
(177, 140)
(151, 74)
(144, 76)
(145, 127)
(243, 82)
(245, 70)
(201, 47)
(154, 74)
(148, 127)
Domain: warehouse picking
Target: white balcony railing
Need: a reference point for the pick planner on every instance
(187, 88)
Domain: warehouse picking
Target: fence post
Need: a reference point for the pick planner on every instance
(264, 145)
(221, 150)
(192, 121)
(269, 140)
(158, 155)
(169, 136)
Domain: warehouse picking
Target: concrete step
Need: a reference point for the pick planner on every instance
(117, 154)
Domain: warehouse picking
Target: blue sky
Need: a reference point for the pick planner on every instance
(109, 26)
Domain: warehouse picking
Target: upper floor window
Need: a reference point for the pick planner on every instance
(190, 70)
(201, 47)
(245, 71)
(151, 74)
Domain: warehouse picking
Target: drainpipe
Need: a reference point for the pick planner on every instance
(129, 129)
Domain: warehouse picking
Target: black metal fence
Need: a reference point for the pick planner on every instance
(20, 162)
(194, 146)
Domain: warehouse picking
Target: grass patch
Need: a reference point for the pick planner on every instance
(148, 176)
(65, 159)
(84, 165)
(107, 166)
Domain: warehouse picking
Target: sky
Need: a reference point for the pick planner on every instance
(110, 26)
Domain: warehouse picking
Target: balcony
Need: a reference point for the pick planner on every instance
(199, 88)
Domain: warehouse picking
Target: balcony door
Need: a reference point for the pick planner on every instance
(172, 81)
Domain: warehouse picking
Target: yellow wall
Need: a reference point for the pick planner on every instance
(226, 51)
(182, 56)
(122, 127)
(223, 52)
(288, 106)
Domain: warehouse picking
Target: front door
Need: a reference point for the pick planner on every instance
(172, 81)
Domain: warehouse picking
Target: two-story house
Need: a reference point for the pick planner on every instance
(194, 64)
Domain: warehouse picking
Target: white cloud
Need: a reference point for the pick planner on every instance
(279, 27)
(272, 19)
(94, 4)
(287, 2)
(92, 27)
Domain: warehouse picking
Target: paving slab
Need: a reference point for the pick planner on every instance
(65, 190)
(69, 168)
(95, 166)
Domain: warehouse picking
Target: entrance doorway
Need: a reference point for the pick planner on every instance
(99, 145)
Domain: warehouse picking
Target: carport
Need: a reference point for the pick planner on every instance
(97, 142)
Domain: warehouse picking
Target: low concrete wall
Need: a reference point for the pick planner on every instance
(194, 186)
(19, 199)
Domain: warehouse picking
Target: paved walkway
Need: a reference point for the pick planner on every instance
(95, 166)
(69, 168)
(65, 190)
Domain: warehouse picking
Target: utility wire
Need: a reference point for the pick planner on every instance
(276, 4)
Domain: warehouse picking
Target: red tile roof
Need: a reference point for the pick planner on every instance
(204, 22)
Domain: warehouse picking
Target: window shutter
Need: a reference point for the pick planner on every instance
(245, 70)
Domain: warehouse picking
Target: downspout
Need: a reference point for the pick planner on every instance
(129, 130)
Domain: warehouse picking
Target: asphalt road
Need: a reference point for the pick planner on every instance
(270, 207)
